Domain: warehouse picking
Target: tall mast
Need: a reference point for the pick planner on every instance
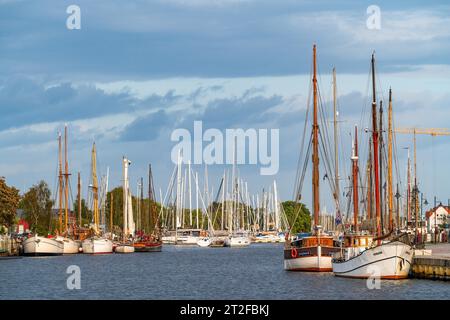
(375, 151)
(95, 187)
(141, 205)
(390, 190)
(66, 182)
(380, 166)
(60, 189)
(79, 200)
(315, 155)
(125, 199)
(355, 181)
(111, 213)
(151, 198)
(369, 184)
(190, 194)
(336, 154)
(408, 191)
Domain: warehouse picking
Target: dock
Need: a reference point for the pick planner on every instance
(432, 263)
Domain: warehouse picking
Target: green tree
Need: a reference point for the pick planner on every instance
(9, 202)
(85, 212)
(37, 206)
(298, 216)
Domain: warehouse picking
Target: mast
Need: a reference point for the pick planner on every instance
(196, 199)
(190, 194)
(369, 184)
(380, 166)
(315, 141)
(408, 192)
(60, 179)
(66, 183)
(151, 197)
(111, 214)
(355, 182)
(336, 154)
(126, 223)
(375, 151)
(95, 187)
(390, 190)
(141, 225)
(79, 200)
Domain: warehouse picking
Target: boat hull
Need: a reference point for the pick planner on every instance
(387, 261)
(204, 242)
(124, 249)
(97, 246)
(70, 246)
(309, 259)
(239, 242)
(147, 247)
(41, 246)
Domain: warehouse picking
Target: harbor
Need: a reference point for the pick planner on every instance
(225, 150)
(194, 273)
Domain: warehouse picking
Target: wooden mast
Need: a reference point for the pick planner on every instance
(111, 213)
(390, 187)
(380, 166)
(408, 192)
(60, 179)
(369, 184)
(66, 183)
(95, 187)
(336, 154)
(355, 182)
(315, 141)
(375, 151)
(79, 199)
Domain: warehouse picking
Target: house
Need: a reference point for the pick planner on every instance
(437, 216)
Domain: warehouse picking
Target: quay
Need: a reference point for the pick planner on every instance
(432, 263)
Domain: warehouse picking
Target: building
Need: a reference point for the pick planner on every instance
(437, 216)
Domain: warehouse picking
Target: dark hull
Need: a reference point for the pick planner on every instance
(41, 254)
(153, 247)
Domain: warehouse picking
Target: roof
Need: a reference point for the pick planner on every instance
(430, 212)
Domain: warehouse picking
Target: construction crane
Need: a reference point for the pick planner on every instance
(414, 131)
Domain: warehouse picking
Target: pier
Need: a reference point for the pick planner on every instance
(432, 263)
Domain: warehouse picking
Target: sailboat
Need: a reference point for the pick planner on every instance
(385, 256)
(71, 246)
(314, 252)
(152, 242)
(96, 244)
(126, 246)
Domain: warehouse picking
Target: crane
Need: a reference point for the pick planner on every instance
(428, 131)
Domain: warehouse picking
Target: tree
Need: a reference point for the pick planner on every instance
(85, 212)
(37, 206)
(298, 216)
(9, 201)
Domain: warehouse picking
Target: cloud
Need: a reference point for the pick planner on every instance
(145, 128)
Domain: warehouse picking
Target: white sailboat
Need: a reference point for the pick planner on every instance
(42, 246)
(126, 246)
(97, 244)
(362, 256)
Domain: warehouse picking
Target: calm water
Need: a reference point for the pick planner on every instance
(255, 272)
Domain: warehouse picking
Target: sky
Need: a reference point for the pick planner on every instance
(138, 70)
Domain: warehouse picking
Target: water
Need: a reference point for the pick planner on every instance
(255, 272)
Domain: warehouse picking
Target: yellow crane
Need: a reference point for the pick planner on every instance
(414, 131)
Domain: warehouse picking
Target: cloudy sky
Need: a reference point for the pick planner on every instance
(137, 70)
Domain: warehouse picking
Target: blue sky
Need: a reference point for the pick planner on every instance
(139, 69)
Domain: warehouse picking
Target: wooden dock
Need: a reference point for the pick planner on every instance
(434, 266)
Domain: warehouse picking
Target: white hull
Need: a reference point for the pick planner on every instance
(97, 246)
(388, 261)
(239, 241)
(204, 242)
(124, 249)
(41, 246)
(70, 246)
(317, 263)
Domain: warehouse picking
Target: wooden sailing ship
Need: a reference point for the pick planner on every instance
(312, 253)
(364, 254)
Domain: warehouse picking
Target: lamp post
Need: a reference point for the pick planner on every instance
(422, 202)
